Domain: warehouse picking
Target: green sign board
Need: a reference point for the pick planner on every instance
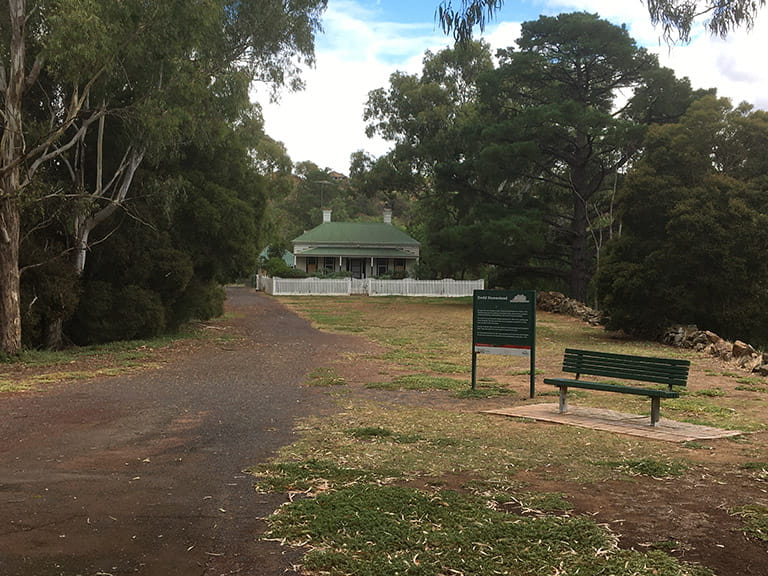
(504, 322)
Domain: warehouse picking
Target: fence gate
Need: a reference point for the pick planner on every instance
(359, 286)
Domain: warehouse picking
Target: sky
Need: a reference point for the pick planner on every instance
(364, 41)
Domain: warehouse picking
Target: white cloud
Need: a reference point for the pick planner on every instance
(324, 123)
(357, 54)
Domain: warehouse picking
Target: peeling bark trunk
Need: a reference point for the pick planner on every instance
(85, 224)
(54, 334)
(11, 151)
(10, 312)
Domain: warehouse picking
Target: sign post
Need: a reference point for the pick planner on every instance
(504, 322)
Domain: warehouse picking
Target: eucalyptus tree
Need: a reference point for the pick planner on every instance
(101, 86)
(432, 119)
(676, 17)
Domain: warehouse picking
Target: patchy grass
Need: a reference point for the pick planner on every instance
(755, 520)
(752, 384)
(421, 382)
(648, 467)
(36, 369)
(707, 392)
(310, 476)
(7, 386)
(376, 509)
(487, 388)
(325, 377)
(489, 448)
(373, 530)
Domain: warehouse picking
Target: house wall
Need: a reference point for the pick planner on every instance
(369, 267)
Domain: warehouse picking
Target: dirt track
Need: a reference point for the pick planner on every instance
(142, 474)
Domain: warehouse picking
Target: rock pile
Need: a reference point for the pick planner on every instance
(561, 304)
(739, 353)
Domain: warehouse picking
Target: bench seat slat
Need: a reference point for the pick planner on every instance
(617, 357)
(628, 374)
(607, 387)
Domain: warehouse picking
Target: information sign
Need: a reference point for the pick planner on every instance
(504, 322)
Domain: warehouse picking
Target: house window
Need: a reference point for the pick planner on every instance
(381, 266)
(329, 263)
(399, 264)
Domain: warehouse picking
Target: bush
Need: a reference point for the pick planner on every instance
(276, 267)
(331, 275)
(107, 314)
(198, 302)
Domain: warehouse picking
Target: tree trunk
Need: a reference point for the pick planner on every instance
(10, 312)
(580, 253)
(11, 153)
(54, 334)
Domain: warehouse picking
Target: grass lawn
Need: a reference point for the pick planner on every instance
(408, 476)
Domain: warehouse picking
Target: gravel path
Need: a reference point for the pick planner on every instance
(142, 474)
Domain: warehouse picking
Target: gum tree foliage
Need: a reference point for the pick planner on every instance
(675, 17)
(98, 88)
(695, 213)
(193, 224)
(429, 118)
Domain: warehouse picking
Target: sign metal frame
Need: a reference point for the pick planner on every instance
(504, 323)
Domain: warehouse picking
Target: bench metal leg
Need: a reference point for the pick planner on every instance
(563, 399)
(655, 410)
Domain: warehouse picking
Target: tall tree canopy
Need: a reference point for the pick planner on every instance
(695, 215)
(100, 87)
(676, 17)
(522, 158)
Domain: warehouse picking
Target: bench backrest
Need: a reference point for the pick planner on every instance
(673, 372)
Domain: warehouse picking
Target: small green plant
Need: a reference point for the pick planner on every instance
(325, 377)
(368, 432)
(754, 517)
(648, 467)
(752, 384)
(755, 466)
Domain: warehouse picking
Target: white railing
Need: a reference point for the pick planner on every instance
(308, 287)
(370, 286)
(439, 288)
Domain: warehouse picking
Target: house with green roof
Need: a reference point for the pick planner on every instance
(364, 249)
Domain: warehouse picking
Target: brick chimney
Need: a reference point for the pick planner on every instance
(387, 215)
(326, 216)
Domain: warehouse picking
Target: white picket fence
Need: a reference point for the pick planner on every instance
(370, 286)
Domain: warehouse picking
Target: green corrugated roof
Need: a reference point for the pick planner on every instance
(356, 233)
(357, 252)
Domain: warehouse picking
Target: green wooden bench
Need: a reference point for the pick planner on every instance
(672, 372)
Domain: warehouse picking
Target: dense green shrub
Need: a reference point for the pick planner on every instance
(108, 313)
(276, 267)
(695, 232)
